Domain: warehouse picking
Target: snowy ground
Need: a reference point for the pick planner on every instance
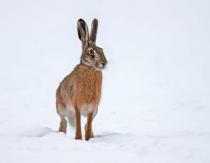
(155, 105)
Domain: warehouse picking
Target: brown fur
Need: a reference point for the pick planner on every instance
(82, 87)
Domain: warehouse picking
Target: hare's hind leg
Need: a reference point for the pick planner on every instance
(63, 122)
(88, 126)
(63, 125)
(60, 107)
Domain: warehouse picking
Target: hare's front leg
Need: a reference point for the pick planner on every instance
(78, 134)
(88, 127)
(63, 125)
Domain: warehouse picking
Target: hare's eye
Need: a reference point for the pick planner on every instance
(90, 51)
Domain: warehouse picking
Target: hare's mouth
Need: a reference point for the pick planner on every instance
(100, 67)
(103, 65)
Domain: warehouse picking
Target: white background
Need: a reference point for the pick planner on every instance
(155, 104)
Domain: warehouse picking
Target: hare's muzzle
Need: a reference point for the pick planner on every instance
(103, 64)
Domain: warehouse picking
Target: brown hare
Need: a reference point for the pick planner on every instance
(79, 93)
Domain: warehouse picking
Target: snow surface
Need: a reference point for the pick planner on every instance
(155, 106)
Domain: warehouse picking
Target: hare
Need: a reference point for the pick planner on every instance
(79, 93)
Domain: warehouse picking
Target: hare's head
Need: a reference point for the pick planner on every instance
(92, 55)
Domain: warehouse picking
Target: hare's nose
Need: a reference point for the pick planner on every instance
(104, 63)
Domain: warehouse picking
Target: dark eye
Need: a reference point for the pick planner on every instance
(91, 52)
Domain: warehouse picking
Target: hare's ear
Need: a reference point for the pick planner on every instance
(83, 33)
(94, 28)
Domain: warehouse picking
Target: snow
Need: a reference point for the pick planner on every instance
(155, 104)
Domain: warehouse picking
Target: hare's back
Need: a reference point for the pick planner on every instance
(81, 87)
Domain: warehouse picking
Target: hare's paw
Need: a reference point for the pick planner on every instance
(63, 126)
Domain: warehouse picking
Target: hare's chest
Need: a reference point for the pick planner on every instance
(89, 80)
(89, 88)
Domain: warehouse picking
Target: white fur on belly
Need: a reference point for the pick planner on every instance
(88, 108)
(69, 113)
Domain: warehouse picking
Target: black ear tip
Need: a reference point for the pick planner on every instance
(81, 21)
(95, 21)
